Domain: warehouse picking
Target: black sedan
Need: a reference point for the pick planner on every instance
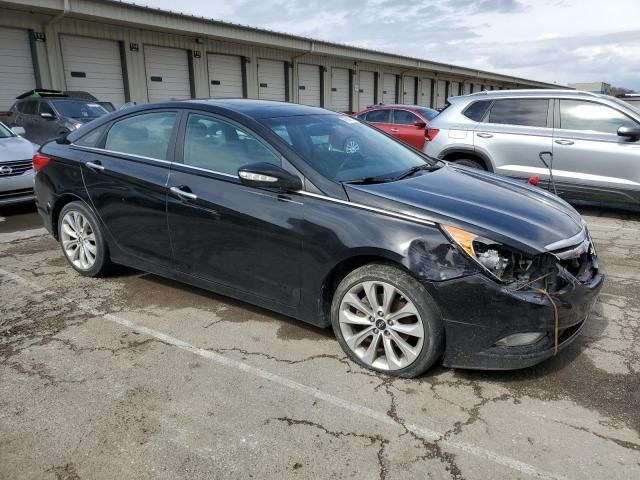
(320, 217)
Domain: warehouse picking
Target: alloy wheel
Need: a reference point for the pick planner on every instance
(381, 326)
(78, 240)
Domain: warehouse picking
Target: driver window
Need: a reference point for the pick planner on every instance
(221, 147)
(46, 108)
(402, 117)
(580, 115)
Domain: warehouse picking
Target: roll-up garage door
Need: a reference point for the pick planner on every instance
(309, 85)
(389, 88)
(16, 66)
(425, 92)
(167, 73)
(271, 80)
(454, 89)
(466, 89)
(441, 93)
(95, 66)
(409, 90)
(340, 90)
(366, 85)
(225, 76)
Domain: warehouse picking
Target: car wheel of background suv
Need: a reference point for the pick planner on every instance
(385, 320)
(467, 162)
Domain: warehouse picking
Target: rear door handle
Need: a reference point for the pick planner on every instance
(95, 166)
(394, 130)
(484, 135)
(564, 142)
(181, 192)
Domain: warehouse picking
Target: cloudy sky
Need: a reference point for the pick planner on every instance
(551, 40)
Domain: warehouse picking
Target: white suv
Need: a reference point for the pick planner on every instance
(592, 142)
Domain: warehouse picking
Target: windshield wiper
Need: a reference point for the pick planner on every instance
(426, 167)
(369, 180)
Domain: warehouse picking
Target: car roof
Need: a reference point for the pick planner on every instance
(382, 106)
(260, 108)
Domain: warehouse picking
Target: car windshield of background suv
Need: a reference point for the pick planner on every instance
(344, 149)
(79, 109)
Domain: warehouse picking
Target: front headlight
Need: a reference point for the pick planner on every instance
(503, 263)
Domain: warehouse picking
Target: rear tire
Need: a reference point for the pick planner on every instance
(402, 335)
(82, 241)
(467, 162)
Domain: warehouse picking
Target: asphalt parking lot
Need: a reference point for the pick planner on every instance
(135, 376)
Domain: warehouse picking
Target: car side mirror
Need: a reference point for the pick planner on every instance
(630, 132)
(419, 124)
(47, 115)
(18, 130)
(268, 175)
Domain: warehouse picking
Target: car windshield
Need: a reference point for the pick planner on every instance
(344, 149)
(79, 109)
(428, 113)
(5, 132)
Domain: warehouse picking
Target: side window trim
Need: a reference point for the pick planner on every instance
(178, 158)
(172, 137)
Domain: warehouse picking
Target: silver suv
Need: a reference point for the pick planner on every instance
(592, 142)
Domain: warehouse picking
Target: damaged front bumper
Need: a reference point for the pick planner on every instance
(559, 302)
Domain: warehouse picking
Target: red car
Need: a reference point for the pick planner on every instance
(407, 122)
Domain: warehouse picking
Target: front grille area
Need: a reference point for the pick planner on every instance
(15, 167)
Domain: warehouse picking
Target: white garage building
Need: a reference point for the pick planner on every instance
(121, 52)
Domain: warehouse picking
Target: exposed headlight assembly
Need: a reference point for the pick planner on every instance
(501, 262)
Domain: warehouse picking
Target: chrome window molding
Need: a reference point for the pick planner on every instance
(389, 213)
(115, 152)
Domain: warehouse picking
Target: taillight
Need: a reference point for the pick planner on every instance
(431, 133)
(40, 161)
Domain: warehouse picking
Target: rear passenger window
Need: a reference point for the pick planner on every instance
(402, 117)
(477, 110)
(29, 108)
(378, 116)
(221, 147)
(147, 135)
(520, 111)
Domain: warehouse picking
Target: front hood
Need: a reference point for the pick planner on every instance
(16, 148)
(499, 208)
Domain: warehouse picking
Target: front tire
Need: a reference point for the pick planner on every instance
(385, 320)
(82, 241)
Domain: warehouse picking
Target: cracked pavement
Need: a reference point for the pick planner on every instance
(135, 376)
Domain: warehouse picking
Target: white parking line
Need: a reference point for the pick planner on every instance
(362, 410)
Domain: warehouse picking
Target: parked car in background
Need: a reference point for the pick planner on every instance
(396, 251)
(592, 141)
(16, 172)
(46, 114)
(406, 122)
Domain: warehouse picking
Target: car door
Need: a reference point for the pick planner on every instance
(403, 126)
(513, 134)
(244, 238)
(126, 175)
(591, 161)
(380, 118)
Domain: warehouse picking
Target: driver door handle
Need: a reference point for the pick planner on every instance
(394, 130)
(564, 142)
(484, 135)
(95, 166)
(183, 193)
